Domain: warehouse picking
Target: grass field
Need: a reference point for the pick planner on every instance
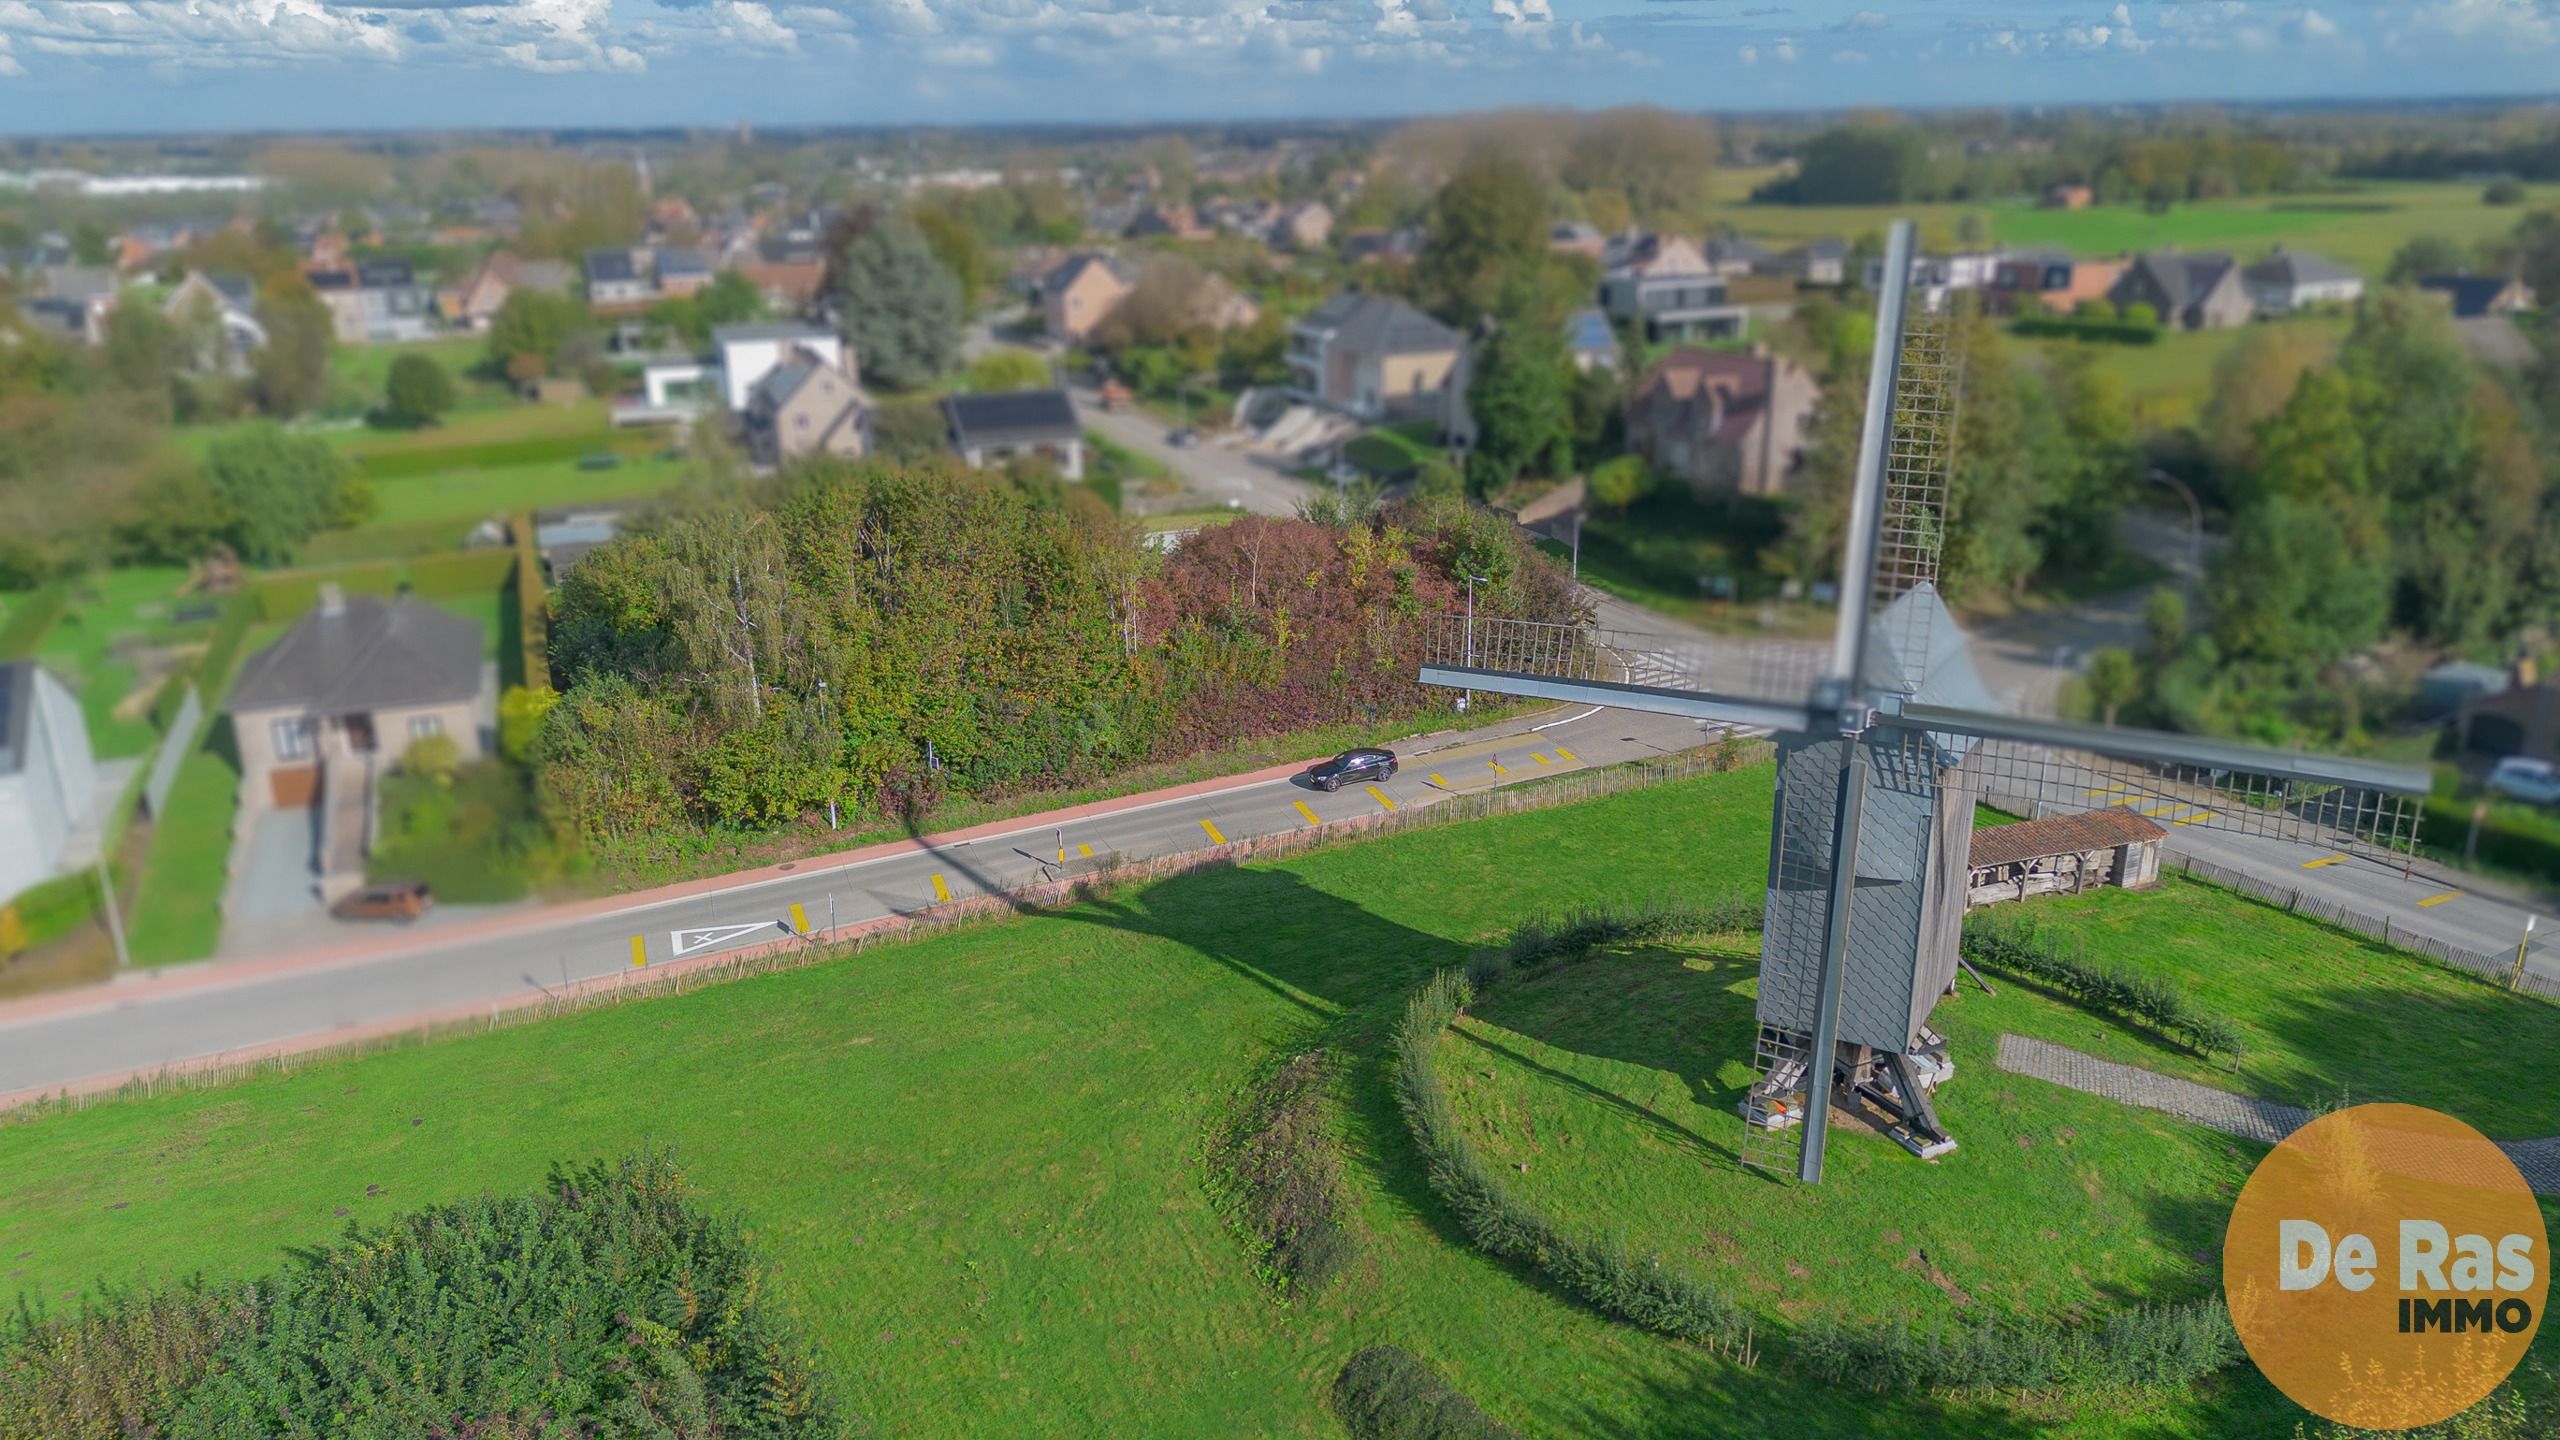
(177, 901)
(470, 494)
(2166, 382)
(357, 374)
(99, 649)
(976, 1159)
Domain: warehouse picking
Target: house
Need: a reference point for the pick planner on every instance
(996, 429)
(1377, 358)
(474, 303)
(2473, 296)
(376, 302)
(227, 307)
(2051, 282)
(1661, 286)
(48, 779)
(619, 279)
(1382, 247)
(1729, 255)
(82, 295)
(565, 536)
(745, 354)
(1167, 221)
(1590, 340)
(2068, 197)
(1816, 262)
(682, 272)
(2198, 291)
(1576, 237)
(790, 280)
(806, 407)
(2063, 855)
(1081, 291)
(1728, 423)
(2292, 280)
(2519, 720)
(1303, 228)
(1936, 277)
(342, 695)
(66, 322)
(2495, 340)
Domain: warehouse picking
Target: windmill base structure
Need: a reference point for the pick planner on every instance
(1887, 741)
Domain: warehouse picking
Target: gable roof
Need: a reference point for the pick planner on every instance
(67, 319)
(2059, 834)
(79, 282)
(2298, 267)
(1733, 249)
(2472, 295)
(781, 383)
(1013, 417)
(372, 654)
(610, 266)
(2183, 278)
(682, 262)
(386, 274)
(1380, 325)
(1827, 247)
(1073, 268)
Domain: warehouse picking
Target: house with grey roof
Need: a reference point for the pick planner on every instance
(1731, 255)
(48, 779)
(1589, 339)
(806, 407)
(340, 697)
(1081, 291)
(1661, 285)
(2294, 280)
(219, 315)
(2200, 290)
(1823, 261)
(997, 428)
(1376, 358)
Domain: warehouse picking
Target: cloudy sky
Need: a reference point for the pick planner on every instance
(178, 64)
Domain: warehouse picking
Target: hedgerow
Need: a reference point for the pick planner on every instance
(1577, 932)
(1287, 1177)
(2139, 1348)
(609, 1303)
(1389, 1393)
(2012, 943)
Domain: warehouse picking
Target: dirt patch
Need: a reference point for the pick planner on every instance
(1917, 1262)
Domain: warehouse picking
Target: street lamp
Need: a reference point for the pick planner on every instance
(831, 800)
(2195, 516)
(1466, 697)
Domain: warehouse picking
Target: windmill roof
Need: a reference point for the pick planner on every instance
(2059, 834)
(1914, 647)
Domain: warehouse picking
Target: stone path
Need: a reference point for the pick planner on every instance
(2250, 1118)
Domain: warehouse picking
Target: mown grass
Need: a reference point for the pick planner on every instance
(177, 900)
(472, 493)
(2166, 382)
(975, 1159)
(111, 609)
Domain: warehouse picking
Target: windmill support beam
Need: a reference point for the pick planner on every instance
(1655, 700)
(1835, 961)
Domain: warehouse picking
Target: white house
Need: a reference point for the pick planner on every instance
(1935, 277)
(2291, 280)
(747, 353)
(48, 777)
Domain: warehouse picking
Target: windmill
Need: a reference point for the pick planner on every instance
(1887, 740)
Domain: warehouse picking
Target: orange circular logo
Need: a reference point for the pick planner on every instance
(2386, 1266)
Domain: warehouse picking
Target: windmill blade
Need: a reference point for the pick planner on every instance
(1729, 679)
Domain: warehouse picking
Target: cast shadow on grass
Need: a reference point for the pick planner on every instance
(2475, 1052)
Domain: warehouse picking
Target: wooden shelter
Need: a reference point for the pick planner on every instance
(2063, 854)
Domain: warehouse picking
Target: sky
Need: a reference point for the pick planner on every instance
(176, 65)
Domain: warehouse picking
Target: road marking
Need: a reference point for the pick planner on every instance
(1497, 767)
(639, 951)
(1085, 850)
(1380, 796)
(1436, 780)
(706, 937)
(1569, 755)
(1303, 810)
(799, 919)
(941, 891)
(2164, 809)
(2439, 899)
(2191, 819)
(2323, 860)
(2124, 800)
(1214, 837)
(1534, 755)
(2109, 790)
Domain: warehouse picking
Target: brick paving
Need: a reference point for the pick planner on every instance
(2246, 1116)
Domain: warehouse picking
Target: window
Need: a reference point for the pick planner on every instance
(292, 739)
(422, 726)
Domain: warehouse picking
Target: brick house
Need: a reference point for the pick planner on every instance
(1727, 423)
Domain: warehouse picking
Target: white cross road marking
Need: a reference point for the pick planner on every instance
(710, 937)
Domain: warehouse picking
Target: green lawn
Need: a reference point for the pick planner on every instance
(465, 495)
(100, 646)
(177, 902)
(357, 374)
(975, 1160)
(2167, 381)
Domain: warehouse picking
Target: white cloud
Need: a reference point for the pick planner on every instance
(2121, 15)
(1862, 20)
(1524, 12)
(1749, 55)
(751, 25)
(2315, 26)
(1848, 57)
(1785, 51)
(2503, 24)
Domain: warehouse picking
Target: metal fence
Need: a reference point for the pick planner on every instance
(174, 747)
(2499, 968)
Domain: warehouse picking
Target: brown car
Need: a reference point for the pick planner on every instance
(402, 900)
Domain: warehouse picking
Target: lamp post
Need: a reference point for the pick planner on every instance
(831, 800)
(1577, 545)
(2516, 980)
(2195, 516)
(1466, 698)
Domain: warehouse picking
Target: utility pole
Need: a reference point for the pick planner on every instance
(1577, 545)
(831, 800)
(2195, 516)
(2515, 981)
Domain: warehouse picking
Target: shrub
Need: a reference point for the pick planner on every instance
(472, 836)
(2125, 331)
(1288, 1179)
(2010, 942)
(2140, 314)
(608, 1303)
(417, 391)
(2145, 1347)
(2502, 192)
(1389, 1393)
(520, 714)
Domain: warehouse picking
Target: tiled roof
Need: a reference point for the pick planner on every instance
(1380, 325)
(374, 653)
(2058, 835)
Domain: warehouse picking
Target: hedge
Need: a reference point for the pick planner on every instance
(1580, 931)
(222, 651)
(2118, 332)
(1287, 1179)
(51, 909)
(2525, 842)
(606, 1304)
(533, 614)
(1389, 1393)
(289, 594)
(2011, 943)
(405, 462)
(2140, 1348)
(31, 614)
(469, 572)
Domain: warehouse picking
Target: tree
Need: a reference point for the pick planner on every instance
(1008, 369)
(281, 490)
(291, 371)
(1519, 399)
(2300, 585)
(1488, 230)
(2114, 682)
(143, 352)
(531, 333)
(1619, 483)
(417, 392)
(956, 244)
(2164, 623)
(909, 431)
(2426, 255)
(2502, 192)
(1862, 165)
(173, 516)
(902, 308)
(2251, 382)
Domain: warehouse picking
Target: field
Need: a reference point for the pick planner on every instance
(977, 1160)
(2166, 381)
(118, 625)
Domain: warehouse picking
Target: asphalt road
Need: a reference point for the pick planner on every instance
(143, 1024)
(1221, 474)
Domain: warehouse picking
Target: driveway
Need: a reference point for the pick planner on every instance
(1220, 474)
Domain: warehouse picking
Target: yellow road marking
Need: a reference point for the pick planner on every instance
(2109, 790)
(940, 890)
(1569, 755)
(639, 951)
(2191, 819)
(1436, 780)
(1214, 837)
(2125, 800)
(799, 919)
(2323, 860)
(1085, 850)
(1534, 755)
(2439, 899)
(1497, 767)
(1380, 796)
(2165, 809)
(1303, 810)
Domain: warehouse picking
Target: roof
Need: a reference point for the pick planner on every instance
(781, 383)
(17, 703)
(2059, 835)
(1725, 249)
(1586, 331)
(331, 280)
(682, 262)
(65, 317)
(1573, 232)
(1828, 247)
(79, 282)
(2495, 340)
(1380, 325)
(2182, 278)
(2472, 295)
(1014, 417)
(2296, 267)
(1072, 269)
(373, 654)
(767, 330)
(386, 274)
(610, 265)
(1689, 370)
(552, 275)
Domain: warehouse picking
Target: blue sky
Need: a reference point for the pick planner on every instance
(302, 64)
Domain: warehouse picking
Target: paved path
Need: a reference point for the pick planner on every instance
(1219, 473)
(2263, 1121)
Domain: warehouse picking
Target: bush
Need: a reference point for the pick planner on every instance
(416, 392)
(1389, 1393)
(2502, 192)
(2140, 1348)
(2512, 837)
(1577, 932)
(2007, 941)
(608, 1303)
(1287, 1178)
(54, 908)
(2140, 314)
(520, 714)
(2127, 331)
(472, 835)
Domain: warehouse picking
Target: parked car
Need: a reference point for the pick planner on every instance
(2536, 782)
(1351, 766)
(401, 900)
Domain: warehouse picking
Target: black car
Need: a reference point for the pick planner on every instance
(1350, 766)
